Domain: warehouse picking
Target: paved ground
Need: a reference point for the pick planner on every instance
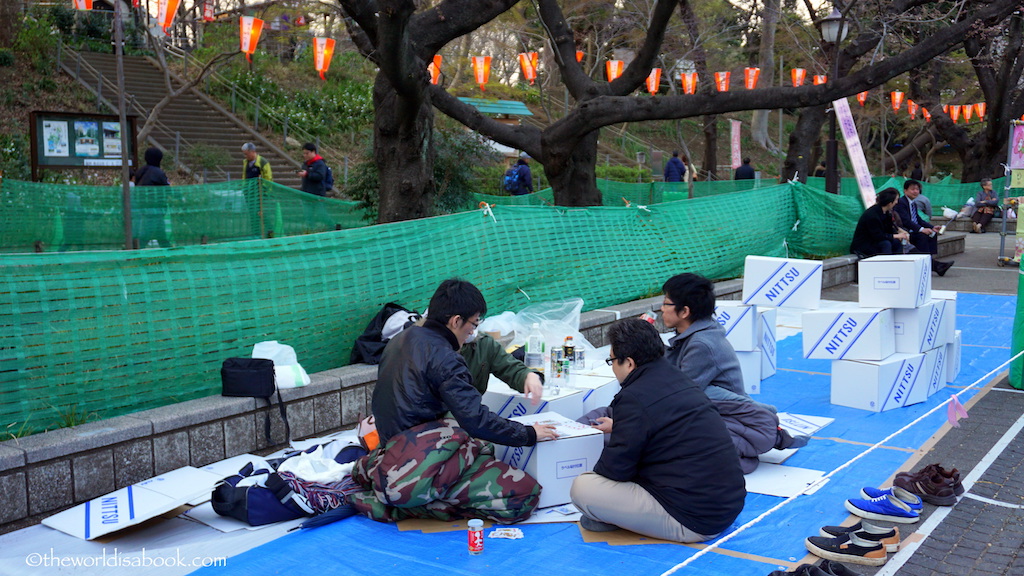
(983, 534)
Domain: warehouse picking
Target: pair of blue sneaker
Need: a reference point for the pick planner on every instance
(890, 504)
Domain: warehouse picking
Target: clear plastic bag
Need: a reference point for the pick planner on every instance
(557, 319)
(288, 373)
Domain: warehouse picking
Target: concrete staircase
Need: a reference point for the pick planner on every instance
(191, 120)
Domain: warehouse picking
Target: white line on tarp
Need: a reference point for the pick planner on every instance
(968, 481)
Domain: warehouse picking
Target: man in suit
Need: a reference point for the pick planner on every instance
(923, 235)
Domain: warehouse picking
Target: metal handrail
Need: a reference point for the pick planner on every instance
(132, 103)
(253, 101)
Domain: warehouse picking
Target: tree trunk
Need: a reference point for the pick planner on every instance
(804, 136)
(710, 170)
(403, 151)
(571, 171)
(9, 17)
(985, 158)
(766, 60)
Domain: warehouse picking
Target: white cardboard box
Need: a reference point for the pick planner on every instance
(935, 361)
(767, 318)
(948, 327)
(555, 463)
(781, 282)
(879, 385)
(508, 403)
(597, 391)
(848, 333)
(953, 357)
(739, 322)
(896, 281)
(750, 365)
(919, 329)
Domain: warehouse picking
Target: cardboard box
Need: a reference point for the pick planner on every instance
(739, 322)
(848, 333)
(750, 365)
(896, 281)
(767, 318)
(555, 463)
(948, 326)
(879, 385)
(598, 391)
(782, 282)
(508, 403)
(935, 361)
(919, 329)
(953, 357)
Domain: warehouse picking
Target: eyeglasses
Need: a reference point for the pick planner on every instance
(609, 360)
(667, 303)
(475, 324)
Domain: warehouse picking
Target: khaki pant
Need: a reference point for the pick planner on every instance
(627, 505)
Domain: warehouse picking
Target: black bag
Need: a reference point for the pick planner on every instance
(369, 346)
(254, 378)
(267, 499)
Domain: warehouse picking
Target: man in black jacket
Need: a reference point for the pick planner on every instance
(923, 235)
(875, 232)
(670, 470)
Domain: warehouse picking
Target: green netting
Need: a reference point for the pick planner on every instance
(1017, 366)
(116, 332)
(56, 217)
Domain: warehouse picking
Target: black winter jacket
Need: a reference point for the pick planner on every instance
(668, 438)
(422, 376)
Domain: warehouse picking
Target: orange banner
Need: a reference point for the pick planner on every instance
(323, 51)
(249, 28)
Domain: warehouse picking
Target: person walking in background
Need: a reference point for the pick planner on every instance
(985, 204)
(675, 169)
(745, 171)
(149, 207)
(917, 174)
(820, 171)
(525, 178)
(315, 172)
(255, 166)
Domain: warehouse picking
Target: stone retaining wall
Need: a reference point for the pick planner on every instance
(48, 472)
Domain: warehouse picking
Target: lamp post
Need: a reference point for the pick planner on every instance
(833, 31)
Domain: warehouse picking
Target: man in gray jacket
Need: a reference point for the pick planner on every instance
(700, 350)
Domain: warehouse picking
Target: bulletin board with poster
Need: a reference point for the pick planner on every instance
(62, 140)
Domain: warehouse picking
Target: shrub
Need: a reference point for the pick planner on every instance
(6, 58)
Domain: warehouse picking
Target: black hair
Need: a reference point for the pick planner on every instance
(746, 160)
(520, 162)
(154, 156)
(637, 339)
(309, 146)
(455, 297)
(691, 290)
(911, 182)
(887, 196)
(675, 153)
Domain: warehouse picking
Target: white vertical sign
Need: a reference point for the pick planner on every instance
(854, 150)
(736, 153)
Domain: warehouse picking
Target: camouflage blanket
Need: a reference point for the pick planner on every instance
(436, 470)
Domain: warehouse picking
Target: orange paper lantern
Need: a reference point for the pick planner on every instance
(323, 51)
(579, 55)
(912, 109)
(954, 112)
(750, 76)
(689, 82)
(722, 81)
(208, 15)
(613, 69)
(528, 63)
(979, 108)
(83, 4)
(862, 97)
(945, 108)
(968, 111)
(166, 10)
(797, 75)
(654, 80)
(482, 70)
(435, 69)
(897, 100)
(820, 79)
(927, 115)
(249, 34)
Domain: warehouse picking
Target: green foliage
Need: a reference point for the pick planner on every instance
(200, 155)
(36, 39)
(6, 58)
(71, 416)
(14, 156)
(458, 153)
(623, 173)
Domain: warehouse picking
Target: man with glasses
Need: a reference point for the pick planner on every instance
(422, 378)
(669, 470)
(702, 352)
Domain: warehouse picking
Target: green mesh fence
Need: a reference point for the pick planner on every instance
(37, 217)
(111, 333)
(1017, 366)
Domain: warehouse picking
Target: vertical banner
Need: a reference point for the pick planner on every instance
(208, 12)
(736, 152)
(854, 150)
(249, 29)
(323, 51)
(1017, 147)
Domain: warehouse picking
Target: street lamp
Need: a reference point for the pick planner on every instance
(833, 31)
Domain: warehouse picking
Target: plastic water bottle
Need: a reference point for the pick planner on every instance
(535, 349)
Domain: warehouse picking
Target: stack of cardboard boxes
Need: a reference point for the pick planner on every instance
(897, 346)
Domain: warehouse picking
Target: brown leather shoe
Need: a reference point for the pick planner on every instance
(932, 488)
(951, 476)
